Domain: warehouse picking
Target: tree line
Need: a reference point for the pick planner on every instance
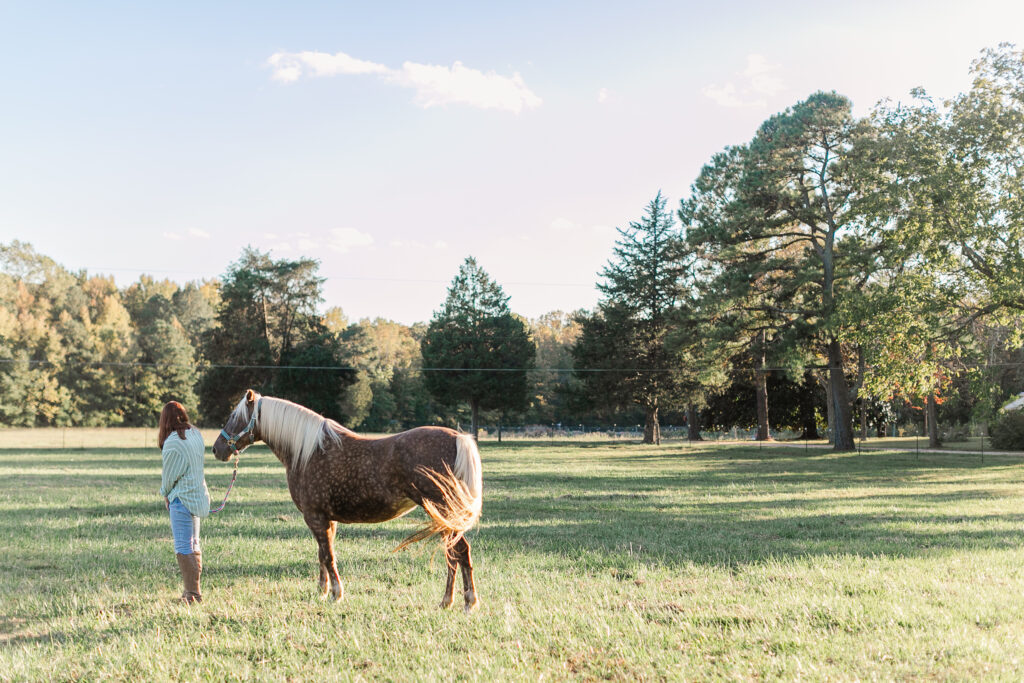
(75, 350)
(879, 257)
(830, 272)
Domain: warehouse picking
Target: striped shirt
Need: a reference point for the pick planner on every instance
(183, 472)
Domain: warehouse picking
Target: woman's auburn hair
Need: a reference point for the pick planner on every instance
(173, 418)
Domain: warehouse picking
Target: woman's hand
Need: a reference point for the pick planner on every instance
(167, 503)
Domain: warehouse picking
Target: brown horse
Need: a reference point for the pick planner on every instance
(335, 475)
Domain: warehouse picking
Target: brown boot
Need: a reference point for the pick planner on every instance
(197, 593)
(190, 568)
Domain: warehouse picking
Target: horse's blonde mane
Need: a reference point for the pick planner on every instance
(294, 428)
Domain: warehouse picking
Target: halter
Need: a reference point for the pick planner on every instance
(232, 442)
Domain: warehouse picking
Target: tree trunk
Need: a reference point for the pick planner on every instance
(475, 429)
(863, 420)
(763, 432)
(842, 429)
(693, 423)
(807, 417)
(861, 403)
(266, 323)
(830, 409)
(652, 430)
(932, 418)
(499, 430)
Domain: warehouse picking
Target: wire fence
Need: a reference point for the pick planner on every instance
(144, 439)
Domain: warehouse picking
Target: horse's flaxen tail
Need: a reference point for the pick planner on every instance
(461, 490)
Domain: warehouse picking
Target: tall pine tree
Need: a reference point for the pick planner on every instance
(622, 355)
(475, 350)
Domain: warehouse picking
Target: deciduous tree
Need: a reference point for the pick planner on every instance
(788, 205)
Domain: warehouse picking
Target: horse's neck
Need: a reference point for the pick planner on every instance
(282, 451)
(285, 446)
(283, 456)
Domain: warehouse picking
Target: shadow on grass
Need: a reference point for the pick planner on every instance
(676, 506)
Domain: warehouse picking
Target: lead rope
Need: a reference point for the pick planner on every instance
(232, 441)
(228, 492)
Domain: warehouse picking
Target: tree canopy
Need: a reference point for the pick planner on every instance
(623, 355)
(475, 350)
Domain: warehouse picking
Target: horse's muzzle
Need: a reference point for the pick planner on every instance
(221, 451)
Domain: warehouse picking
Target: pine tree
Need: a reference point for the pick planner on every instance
(623, 355)
(475, 350)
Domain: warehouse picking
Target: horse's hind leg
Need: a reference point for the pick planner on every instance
(461, 551)
(451, 561)
(323, 532)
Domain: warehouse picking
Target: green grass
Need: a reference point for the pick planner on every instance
(912, 443)
(594, 561)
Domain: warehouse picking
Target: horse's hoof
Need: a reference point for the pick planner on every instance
(471, 604)
(446, 602)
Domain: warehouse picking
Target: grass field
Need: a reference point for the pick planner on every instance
(594, 561)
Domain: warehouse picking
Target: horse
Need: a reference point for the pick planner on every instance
(335, 475)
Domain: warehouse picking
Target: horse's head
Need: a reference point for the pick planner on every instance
(240, 431)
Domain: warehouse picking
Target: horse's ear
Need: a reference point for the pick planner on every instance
(250, 396)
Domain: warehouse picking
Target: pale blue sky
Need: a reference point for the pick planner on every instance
(164, 137)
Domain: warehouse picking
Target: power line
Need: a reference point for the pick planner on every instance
(205, 276)
(237, 366)
(243, 366)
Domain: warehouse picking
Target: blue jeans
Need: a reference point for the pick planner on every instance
(184, 528)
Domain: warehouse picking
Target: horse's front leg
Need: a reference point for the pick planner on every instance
(323, 532)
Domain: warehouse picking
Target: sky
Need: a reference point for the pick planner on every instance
(391, 140)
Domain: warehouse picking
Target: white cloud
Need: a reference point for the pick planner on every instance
(758, 81)
(440, 244)
(603, 94)
(434, 85)
(172, 236)
(724, 95)
(196, 232)
(344, 240)
(762, 76)
(290, 66)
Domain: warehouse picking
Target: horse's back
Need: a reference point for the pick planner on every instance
(421, 447)
(369, 479)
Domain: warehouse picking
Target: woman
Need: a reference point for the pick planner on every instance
(185, 494)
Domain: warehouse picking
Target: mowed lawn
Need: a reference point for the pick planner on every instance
(594, 561)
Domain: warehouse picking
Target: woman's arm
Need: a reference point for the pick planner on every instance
(175, 466)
